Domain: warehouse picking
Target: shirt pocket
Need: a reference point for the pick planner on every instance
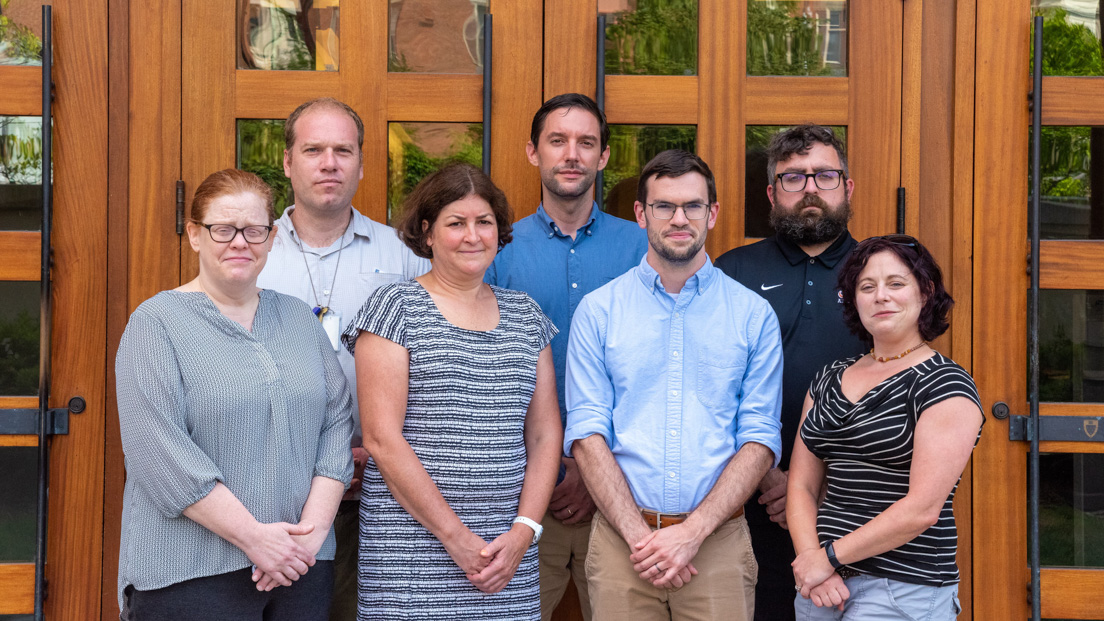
(370, 281)
(719, 382)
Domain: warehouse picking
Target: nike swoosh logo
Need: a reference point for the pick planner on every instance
(766, 288)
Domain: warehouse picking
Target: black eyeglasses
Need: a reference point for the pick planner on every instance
(222, 233)
(824, 179)
(665, 211)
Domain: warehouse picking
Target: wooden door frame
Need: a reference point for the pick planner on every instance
(79, 277)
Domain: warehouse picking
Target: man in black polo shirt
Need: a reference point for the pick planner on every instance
(795, 270)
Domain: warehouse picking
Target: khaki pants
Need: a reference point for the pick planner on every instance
(563, 551)
(723, 589)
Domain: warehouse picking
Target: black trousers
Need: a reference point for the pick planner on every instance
(234, 597)
(774, 592)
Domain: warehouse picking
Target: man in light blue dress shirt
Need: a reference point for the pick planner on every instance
(674, 378)
(559, 254)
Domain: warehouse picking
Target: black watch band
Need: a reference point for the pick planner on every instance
(831, 551)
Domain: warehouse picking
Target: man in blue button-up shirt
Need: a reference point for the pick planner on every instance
(559, 254)
(674, 375)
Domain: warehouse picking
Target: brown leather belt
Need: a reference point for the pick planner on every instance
(655, 519)
(847, 572)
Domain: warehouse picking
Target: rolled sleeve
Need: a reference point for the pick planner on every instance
(334, 459)
(161, 458)
(758, 418)
(588, 389)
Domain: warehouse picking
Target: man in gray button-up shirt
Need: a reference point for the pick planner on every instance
(333, 257)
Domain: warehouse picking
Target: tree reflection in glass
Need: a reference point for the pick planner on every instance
(797, 37)
(651, 37)
(631, 147)
(288, 35)
(416, 149)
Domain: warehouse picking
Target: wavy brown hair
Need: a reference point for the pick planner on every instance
(451, 183)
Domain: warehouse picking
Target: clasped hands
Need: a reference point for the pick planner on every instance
(281, 552)
(490, 566)
(663, 557)
(818, 580)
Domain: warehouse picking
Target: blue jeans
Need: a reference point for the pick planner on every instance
(881, 599)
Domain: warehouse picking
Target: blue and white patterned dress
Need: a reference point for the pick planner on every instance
(468, 395)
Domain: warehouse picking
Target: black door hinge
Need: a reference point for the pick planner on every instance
(179, 207)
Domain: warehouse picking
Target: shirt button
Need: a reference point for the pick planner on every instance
(677, 315)
(671, 474)
(812, 260)
(674, 433)
(325, 292)
(572, 251)
(674, 393)
(574, 285)
(810, 283)
(675, 354)
(808, 301)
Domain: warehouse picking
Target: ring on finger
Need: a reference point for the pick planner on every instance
(658, 568)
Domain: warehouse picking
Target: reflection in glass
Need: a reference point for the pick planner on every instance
(651, 37)
(1069, 206)
(631, 147)
(436, 36)
(20, 173)
(16, 617)
(416, 149)
(797, 37)
(1071, 37)
(19, 321)
(21, 32)
(1071, 345)
(757, 206)
(18, 500)
(296, 35)
(261, 151)
(1071, 510)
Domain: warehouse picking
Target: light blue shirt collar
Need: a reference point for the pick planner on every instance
(699, 281)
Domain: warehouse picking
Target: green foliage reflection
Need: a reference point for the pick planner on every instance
(631, 146)
(261, 151)
(659, 38)
(1069, 48)
(18, 44)
(797, 38)
(417, 149)
(19, 354)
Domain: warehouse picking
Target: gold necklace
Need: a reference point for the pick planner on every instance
(898, 356)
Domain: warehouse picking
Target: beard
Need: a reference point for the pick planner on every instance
(671, 254)
(812, 228)
(569, 192)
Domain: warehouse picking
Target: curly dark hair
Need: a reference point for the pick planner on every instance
(932, 321)
(451, 183)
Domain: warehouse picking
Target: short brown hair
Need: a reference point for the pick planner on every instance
(451, 183)
(229, 182)
(675, 163)
(323, 103)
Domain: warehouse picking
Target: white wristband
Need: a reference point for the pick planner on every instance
(537, 528)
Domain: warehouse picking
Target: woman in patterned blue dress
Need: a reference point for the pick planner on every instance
(458, 406)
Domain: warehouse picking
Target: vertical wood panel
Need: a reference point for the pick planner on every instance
(722, 31)
(117, 307)
(154, 148)
(75, 543)
(364, 87)
(874, 131)
(516, 76)
(1000, 318)
(570, 47)
(913, 93)
(207, 100)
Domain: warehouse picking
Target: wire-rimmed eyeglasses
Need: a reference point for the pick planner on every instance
(824, 180)
(222, 233)
(663, 210)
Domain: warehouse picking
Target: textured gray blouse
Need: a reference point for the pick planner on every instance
(202, 400)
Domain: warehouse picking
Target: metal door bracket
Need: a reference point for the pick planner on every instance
(1057, 429)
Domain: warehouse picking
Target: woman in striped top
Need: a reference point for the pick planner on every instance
(458, 406)
(885, 437)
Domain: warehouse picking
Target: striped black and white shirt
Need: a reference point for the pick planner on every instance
(867, 450)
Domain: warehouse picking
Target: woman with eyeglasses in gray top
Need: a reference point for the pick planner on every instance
(235, 422)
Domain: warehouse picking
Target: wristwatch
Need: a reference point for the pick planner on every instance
(831, 552)
(537, 528)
